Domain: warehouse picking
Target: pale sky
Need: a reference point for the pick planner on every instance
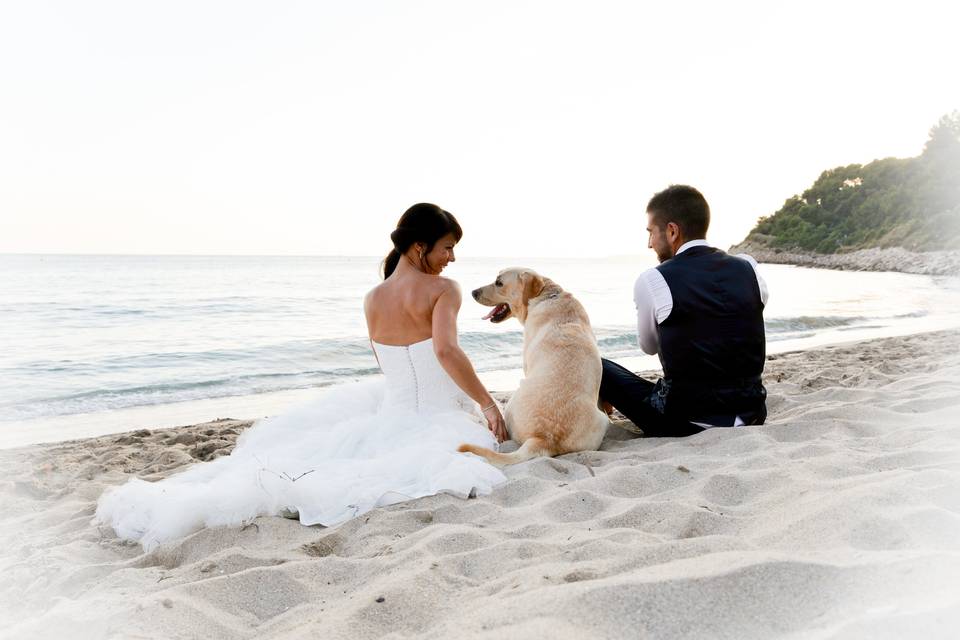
(309, 127)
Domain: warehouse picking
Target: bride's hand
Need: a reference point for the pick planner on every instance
(496, 423)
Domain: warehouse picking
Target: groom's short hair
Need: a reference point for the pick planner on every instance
(684, 206)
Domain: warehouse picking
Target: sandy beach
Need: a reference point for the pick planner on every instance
(838, 518)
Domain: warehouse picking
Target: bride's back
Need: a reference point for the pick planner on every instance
(399, 310)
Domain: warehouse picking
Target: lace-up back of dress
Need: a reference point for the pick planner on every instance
(415, 380)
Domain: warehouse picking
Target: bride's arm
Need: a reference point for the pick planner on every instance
(455, 361)
(448, 350)
(366, 317)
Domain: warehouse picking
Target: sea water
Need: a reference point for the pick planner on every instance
(97, 344)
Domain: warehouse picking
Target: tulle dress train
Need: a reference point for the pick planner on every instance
(354, 448)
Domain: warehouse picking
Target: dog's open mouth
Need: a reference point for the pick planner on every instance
(499, 313)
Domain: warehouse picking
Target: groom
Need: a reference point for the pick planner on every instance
(701, 310)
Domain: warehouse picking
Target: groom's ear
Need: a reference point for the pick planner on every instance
(532, 285)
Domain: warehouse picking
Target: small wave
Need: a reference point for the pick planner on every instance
(913, 314)
(160, 309)
(861, 327)
(295, 350)
(491, 341)
(624, 340)
(247, 381)
(791, 336)
(809, 323)
(171, 392)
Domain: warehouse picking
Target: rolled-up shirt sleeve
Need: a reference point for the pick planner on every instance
(653, 300)
(761, 283)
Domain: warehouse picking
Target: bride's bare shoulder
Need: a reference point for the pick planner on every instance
(434, 287)
(372, 295)
(447, 292)
(446, 285)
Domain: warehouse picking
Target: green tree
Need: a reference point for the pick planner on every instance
(912, 203)
(945, 135)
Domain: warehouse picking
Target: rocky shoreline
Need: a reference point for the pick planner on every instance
(933, 263)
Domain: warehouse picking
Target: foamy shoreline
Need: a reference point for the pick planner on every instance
(841, 516)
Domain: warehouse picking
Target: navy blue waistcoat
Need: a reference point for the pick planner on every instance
(712, 345)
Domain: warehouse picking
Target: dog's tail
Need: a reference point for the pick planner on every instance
(531, 448)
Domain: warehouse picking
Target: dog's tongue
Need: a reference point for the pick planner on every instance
(492, 312)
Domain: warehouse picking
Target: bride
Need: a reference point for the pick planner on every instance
(361, 445)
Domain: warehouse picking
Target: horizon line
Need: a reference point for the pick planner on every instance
(278, 255)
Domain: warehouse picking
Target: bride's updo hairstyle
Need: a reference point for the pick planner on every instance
(424, 223)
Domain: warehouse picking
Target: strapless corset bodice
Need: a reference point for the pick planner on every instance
(415, 380)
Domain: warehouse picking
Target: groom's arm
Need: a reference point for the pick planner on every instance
(761, 283)
(653, 300)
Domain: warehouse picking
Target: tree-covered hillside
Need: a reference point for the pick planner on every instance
(912, 203)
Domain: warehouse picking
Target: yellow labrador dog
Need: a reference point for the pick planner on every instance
(554, 410)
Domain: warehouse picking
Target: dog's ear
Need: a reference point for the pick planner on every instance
(532, 285)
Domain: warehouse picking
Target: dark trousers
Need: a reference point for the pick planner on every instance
(636, 399)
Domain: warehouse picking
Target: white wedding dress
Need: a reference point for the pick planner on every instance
(358, 446)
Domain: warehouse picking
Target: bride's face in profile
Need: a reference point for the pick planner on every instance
(441, 255)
